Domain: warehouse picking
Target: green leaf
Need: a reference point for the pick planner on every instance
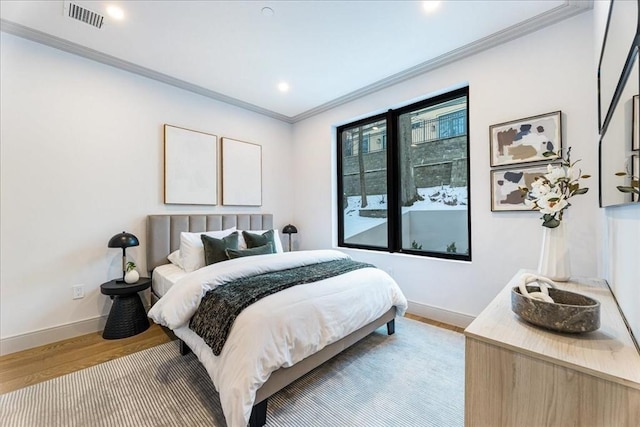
(551, 223)
(621, 174)
(585, 176)
(625, 189)
(548, 154)
(581, 191)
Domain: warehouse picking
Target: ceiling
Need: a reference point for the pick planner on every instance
(329, 52)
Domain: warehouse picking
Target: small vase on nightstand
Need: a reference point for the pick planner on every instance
(132, 276)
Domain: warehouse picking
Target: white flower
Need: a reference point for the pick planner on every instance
(551, 203)
(555, 174)
(550, 193)
(569, 172)
(539, 188)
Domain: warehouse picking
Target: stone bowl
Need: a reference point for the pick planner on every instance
(570, 312)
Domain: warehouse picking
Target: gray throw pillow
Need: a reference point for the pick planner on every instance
(215, 249)
(255, 240)
(260, 250)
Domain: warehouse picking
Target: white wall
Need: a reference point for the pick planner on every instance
(621, 225)
(81, 152)
(552, 69)
(82, 160)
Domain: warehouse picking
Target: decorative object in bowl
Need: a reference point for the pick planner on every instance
(569, 312)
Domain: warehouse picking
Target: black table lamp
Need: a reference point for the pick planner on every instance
(289, 229)
(123, 240)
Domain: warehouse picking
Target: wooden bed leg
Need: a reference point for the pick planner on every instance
(391, 327)
(184, 348)
(258, 414)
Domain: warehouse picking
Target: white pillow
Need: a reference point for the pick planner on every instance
(174, 258)
(276, 236)
(192, 249)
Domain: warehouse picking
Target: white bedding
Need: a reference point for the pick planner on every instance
(279, 330)
(164, 277)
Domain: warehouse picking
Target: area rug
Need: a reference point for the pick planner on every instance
(412, 378)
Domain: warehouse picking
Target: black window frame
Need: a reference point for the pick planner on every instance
(394, 213)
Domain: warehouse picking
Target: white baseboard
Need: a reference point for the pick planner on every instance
(440, 314)
(49, 335)
(88, 326)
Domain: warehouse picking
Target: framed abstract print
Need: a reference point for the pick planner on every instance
(526, 140)
(505, 187)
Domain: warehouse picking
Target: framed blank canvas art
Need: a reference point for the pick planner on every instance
(190, 167)
(241, 173)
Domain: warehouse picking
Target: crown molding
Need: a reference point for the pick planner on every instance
(74, 48)
(564, 11)
(568, 9)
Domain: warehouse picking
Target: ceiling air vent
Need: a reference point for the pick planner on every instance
(83, 14)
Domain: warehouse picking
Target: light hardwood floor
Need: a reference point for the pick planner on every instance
(24, 368)
(28, 367)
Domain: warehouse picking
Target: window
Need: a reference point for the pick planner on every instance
(403, 177)
(365, 143)
(453, 124)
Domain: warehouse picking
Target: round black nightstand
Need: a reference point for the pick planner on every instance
(127, 316)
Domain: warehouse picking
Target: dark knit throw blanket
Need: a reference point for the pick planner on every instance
(221, 305)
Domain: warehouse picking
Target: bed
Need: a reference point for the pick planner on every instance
(274, 341)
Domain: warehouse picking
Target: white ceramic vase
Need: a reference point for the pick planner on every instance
(554, 255)
(132, 276)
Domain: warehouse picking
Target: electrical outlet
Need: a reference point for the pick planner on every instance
(78, 291)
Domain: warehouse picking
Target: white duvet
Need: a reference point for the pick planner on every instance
(279, 330)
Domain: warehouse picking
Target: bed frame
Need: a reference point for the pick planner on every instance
(163, 237)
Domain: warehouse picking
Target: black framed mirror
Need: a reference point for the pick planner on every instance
(618, 111)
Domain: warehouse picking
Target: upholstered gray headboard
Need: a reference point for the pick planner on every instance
(163, 231)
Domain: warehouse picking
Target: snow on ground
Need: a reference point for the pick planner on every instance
(435, 198)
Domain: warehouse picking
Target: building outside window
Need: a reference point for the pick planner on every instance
(405, 187)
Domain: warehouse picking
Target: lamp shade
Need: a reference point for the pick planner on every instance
(289, 229)
(123, 240)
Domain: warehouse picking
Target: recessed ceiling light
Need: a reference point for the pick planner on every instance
(267, 11)
(431, 6)
(115, 12)
(283, 87)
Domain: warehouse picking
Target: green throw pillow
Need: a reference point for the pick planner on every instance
(255, 240)
(214, 249)
(259, 250)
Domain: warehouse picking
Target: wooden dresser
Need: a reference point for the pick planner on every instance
(520, 375)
